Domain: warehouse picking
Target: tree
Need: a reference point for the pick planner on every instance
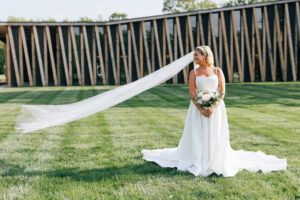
(16, 19)
(85, 19)
(242, 2)
(174, 6)
(50, 19)
(117, 16)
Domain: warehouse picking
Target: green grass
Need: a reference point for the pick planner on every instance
(99, 157)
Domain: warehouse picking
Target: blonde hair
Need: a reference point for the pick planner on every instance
(209, 56)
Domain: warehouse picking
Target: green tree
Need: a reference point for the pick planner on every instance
(16, 19)
(50, 19)
(85, 19)
(242, 2)
(117, 16)
(173, 6)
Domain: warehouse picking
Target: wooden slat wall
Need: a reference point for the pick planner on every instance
(261, 44)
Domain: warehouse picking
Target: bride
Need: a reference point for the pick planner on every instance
(204, 147)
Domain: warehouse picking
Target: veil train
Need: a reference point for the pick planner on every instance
(36, 117)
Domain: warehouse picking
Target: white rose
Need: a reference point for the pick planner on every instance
(206, 97)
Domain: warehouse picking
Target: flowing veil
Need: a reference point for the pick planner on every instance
(36, 117)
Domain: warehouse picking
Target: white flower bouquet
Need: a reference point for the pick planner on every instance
(206, 98)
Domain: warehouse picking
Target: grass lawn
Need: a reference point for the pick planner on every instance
(99, 157)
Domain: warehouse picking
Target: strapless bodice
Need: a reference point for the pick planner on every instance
(207, 83)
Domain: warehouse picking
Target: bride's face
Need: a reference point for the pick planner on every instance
(198, 57)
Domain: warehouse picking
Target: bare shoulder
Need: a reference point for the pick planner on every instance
(220, 71)
(192, 73)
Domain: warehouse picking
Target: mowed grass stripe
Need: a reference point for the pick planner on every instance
(59, 169)
(8, 117)
(22, 154)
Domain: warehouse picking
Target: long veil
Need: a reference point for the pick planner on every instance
(36, 117)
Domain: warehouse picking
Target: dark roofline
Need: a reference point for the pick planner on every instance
(148, 18)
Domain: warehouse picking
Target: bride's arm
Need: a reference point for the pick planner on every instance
(192, 89)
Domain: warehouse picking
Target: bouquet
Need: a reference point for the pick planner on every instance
(206, 98)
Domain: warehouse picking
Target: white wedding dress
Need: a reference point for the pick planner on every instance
(204, 147)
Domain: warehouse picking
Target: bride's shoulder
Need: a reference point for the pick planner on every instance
(193, 72)
(219, 70)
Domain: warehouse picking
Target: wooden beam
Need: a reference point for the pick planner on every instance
(164, 47)
(129, 52)
(57, 57)
(118, 54)
(70, 63)
(187, 42)
(64, 57)
(123, 50)
(298, 19)
(45, 56)
(82, 60)
(88, 55)
(231, 44)
(229, 69)
(157, 44)
(100, 55)
(274, 47)
(175, 78)
(197, 33)
(136, 59)
(21, 58)
(141, 55)
(200, 25)
(33, 57)
(237, 48)
(209, 30)
(253, 50)
(14, 56)
(94, 55)
(249, 56)
(269, 44)
(146, 47)
(242, 50)
(185, 72)
(112, 55)
(277, 27)
(75, 51)
(258, 44)
(26, 54)
(8, 60)
(53, 67)
(285, 47)
(190, 33)
(264, 41)
(152, 48)
(289, 35)
(169, 45)
(214, 41)
(38, 50)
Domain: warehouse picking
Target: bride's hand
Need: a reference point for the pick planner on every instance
(210, 111)
(204, 112)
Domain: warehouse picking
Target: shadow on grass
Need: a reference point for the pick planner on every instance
(100, 174)
(168, 96)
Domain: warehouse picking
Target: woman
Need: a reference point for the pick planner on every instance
(204, 147)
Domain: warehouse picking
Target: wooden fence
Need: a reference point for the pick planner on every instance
(258, 42)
